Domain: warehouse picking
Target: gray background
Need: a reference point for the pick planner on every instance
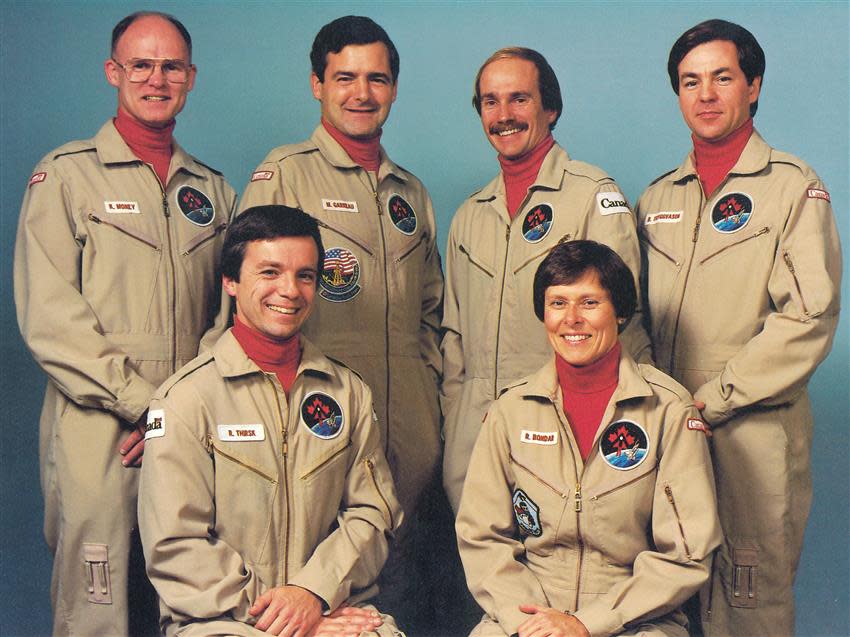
(252, 93)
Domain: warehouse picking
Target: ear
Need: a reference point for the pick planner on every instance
(395, 89)
(229, 286)
(190, 81)
(551, 116)
(755, 89)
(112, 72)
(316, 85)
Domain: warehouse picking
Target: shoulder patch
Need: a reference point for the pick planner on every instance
(37, 178)
(155, 427)
(696, 424)
(811, 193)
(612, 203)
(262, 175)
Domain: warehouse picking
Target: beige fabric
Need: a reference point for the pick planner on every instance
(492, 337)
(223, 520)
(616, 547)
(742, 320)
(111, 299)
(389, 331)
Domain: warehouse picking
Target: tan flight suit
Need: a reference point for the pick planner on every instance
(743, 295)
(239, 494)
(492, 337)
(380, 311)
(114, 286)
(621, 540)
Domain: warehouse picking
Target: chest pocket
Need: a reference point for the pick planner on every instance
(540, 508)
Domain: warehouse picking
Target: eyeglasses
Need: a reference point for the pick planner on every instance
(140, 69)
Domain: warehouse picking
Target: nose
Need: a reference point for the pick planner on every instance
(572, 314)
(157, 77)
(504, 111)
(707, 92)
(361, 89)
(287, 286)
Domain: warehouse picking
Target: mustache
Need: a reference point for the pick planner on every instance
(508, 124)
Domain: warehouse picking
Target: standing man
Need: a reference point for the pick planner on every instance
(266, 498)
(116, 279)
(381, 288)
(742, 283)
(500, 235)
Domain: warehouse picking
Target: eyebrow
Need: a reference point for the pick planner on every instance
(492, 95)
(722, 69)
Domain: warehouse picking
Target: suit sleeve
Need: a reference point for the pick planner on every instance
(452, 341)
(351, 557)
(55, 320)
(804, 288)
(618, 231)
(685, 531)
(487, 535)
(197, 576)
(432, 303)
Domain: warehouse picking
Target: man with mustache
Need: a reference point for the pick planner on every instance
(745, 345)
(381, 288)
(500, 235)
(115, 282)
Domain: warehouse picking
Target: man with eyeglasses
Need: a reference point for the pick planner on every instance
(116, 279)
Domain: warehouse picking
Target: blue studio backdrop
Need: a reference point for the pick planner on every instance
(252, 93)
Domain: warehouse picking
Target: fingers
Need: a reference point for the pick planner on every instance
(132, 448)
(531, 608)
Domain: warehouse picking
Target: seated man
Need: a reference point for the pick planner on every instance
(266, 501)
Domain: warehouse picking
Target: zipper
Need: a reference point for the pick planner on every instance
(244, 465)
(356, 242)
(621, 486)
(474, 261)
(284, 449)
(167, 214)
(499, 316)
(790, 264)
(93, 217)
(687, 276)
(561, 494)
(738, 242)
(202, 238)
(647, 241)
(672, 501)
(404, 254)
(325, 462)
(386, 305)
(370, 467)
(696, 226)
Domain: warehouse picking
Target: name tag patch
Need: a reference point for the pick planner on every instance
(37, 178)
(262, 175)
(155, 427)
(121, 207)
(811, 193)
(338, 205)
(611, 203)
(539, 437)
(673, 216)
(241, 433)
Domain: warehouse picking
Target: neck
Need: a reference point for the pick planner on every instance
(268, 353)
(151, 145)
(598, 375)
(521, 172)
(365, 152)
(714, 160)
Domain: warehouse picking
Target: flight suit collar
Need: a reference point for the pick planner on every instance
(336, 155)
(753, 159)
(550, 176)
(631, 384)
(112, 149)
(232, 361)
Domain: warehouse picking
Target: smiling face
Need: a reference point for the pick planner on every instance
(277, 285)
(580, 320)
(714, 94)
(157, 101)
(358, 90)
(512, 112)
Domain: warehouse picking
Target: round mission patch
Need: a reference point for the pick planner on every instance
(731, 212)
(537, 223)
(195, 206)
(623, 445)
(340, 278)
(322, 415)
(402, 215)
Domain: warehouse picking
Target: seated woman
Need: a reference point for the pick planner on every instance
(589, 506)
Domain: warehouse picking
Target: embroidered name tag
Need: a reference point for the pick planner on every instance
(695, 424)
(155, 427)
(611, 203)
(262, 175)
(539, 437)
(674, 216)
(121, 207)
(241, 433)
(815, 193)
(338, 205)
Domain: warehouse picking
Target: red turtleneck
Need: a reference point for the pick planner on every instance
(151, 145)
(586, 392)
(521, 172)
(365, 152)
(270, 355)
(714, 160)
